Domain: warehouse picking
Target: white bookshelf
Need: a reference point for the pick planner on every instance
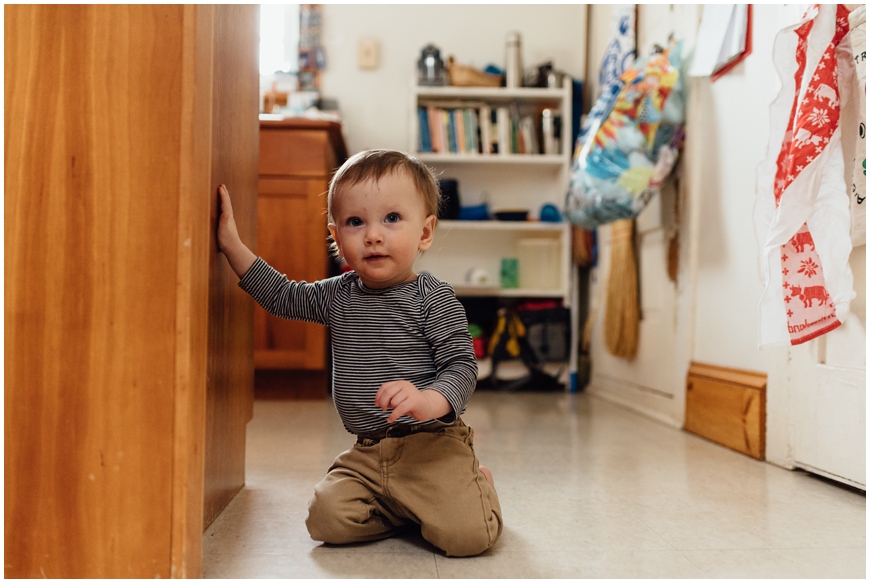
(503, 181)
(539, 160)
(461, 247)
(552, 96)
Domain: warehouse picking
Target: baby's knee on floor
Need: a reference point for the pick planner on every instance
(338, 520)
(328, 520)
(465, 542)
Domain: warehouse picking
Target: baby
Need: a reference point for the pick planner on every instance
(403, 363)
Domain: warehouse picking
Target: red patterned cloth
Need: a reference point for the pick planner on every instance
(802, 211)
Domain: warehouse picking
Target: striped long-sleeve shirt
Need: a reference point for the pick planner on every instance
(415, 331)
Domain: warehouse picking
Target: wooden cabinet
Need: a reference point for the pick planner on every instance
(297, 159)
(128, 345)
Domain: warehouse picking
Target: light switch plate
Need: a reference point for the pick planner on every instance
(367, 53)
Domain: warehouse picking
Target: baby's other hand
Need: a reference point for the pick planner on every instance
(406, 399)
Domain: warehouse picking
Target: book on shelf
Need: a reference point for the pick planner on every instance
(436, 144)
(459, 120)
(450, 124)
(493, 131)
(529, 135)
(485, 130)
(469, 118)
(425, 144)
(547, 131)
(465, 127)
(503, 122)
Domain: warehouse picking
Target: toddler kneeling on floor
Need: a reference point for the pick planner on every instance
(403, 363)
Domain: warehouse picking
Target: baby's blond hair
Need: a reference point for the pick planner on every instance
(373, 165)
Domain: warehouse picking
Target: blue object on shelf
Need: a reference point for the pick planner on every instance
(550, 214)
(478, 212)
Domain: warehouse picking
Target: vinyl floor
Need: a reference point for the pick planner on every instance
(587, 490)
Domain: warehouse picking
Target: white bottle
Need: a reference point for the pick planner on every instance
(513, 60)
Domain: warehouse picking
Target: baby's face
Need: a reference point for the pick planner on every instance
(380, 226)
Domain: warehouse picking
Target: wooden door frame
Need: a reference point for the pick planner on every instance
(192, 283)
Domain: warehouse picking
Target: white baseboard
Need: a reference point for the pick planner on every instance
(652, 405)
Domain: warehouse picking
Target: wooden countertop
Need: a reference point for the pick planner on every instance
(336, 138)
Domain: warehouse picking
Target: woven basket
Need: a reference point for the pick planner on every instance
(464, 76)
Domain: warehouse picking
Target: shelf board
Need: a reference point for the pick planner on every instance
(488, 291)
(510, 370)
(554, 160)
(501, 226)
(533, 93)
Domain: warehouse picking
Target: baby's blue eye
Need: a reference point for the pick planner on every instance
(355, 222)
(392, 218)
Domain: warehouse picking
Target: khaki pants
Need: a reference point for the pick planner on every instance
(430, 477)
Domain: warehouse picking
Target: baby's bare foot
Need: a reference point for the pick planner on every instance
(488, 475)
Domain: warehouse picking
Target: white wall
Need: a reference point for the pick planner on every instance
(732, 132)
(715, 300)
(375, 104)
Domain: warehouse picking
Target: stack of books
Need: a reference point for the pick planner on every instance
(475, 128)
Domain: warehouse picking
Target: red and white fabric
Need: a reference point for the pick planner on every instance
(802, 217)
(857, 39)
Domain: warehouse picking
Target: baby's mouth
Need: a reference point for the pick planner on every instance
(375, 257)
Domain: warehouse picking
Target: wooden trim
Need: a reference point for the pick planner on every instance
(192, 300)
(299, 187)
(743, 378)
(727, 406)
(336, 138)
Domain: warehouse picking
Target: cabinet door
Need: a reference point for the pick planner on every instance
(292, 238)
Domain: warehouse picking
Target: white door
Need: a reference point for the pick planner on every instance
(827, 394)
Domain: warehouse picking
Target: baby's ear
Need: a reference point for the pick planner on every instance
(428, 233)
(334, 232)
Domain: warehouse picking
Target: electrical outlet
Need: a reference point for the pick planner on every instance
(367, 53)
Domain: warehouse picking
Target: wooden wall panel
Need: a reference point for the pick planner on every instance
(90, 232)
(234, 154)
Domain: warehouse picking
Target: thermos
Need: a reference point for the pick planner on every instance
(513, 60)
(430, 67)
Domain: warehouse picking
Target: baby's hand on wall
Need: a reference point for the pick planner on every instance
(228, 234)
(406, 399)
(230, 244)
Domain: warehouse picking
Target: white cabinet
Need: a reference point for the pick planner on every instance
(502, 181)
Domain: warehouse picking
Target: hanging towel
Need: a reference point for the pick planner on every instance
(857, 38)
(802, 218)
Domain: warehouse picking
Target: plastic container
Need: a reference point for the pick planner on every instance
(539, 263)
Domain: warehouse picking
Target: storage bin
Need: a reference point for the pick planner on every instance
(540, 263)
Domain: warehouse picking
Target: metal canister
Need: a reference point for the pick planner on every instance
(513, 60)
(430, 67)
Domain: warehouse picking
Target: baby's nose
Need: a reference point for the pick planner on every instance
(374, 235)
